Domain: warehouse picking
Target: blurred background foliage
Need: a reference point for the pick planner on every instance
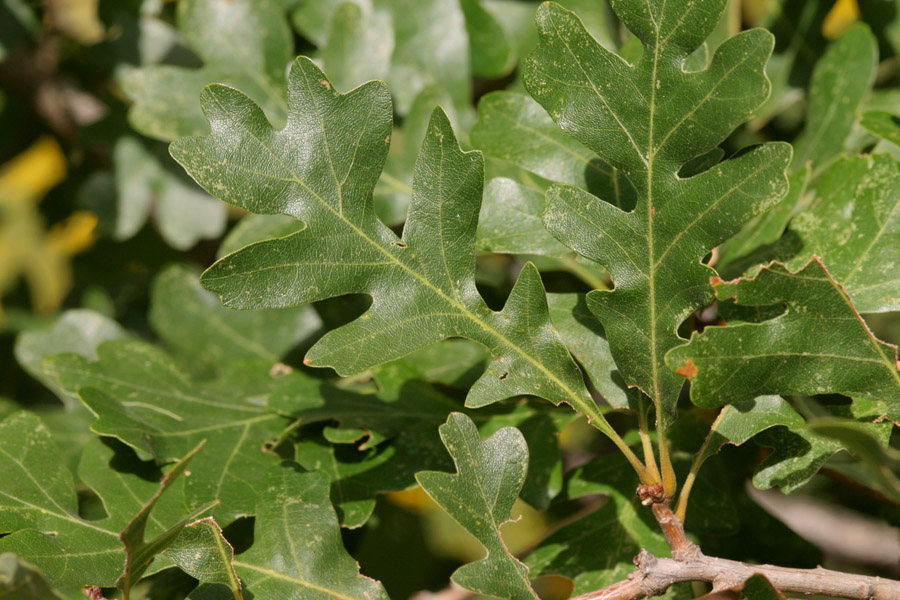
(94, 213)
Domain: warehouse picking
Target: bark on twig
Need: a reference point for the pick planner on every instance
(653, 576)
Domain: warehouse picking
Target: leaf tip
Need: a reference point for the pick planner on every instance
(688, 369)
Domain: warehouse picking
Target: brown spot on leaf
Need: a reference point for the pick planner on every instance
(280, 370)
(716, 280)
(326, 84)
(688, 369)
(504, 375)
(652, 211)
(306, 361)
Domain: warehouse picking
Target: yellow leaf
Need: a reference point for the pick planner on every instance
(26, 249)
(73, 235)
(842, 15)
(33, 173)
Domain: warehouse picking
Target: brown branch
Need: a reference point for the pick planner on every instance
(653, 576)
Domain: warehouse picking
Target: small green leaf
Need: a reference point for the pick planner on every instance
(818, 345)
(245, 43)
(201, 551)
(139, 552)
(737, 423)
(491, 50)
(854, 226)
(760, 588)
(840, 82)
(479, 496)
(297, 550)
(798, 454)
(883, 124)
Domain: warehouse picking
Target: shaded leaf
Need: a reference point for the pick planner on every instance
(622, 518)
(201, 551)
(818, 345)
(140, 397)
(511, 221)
(760, 588)
(195, 325)
(515, 128)
(147, 183)
(431, 47)
(76, 331)
(479, 496)
(256, 228)
(40, 510)
(648, 119)
(381, 440)
(360, 44)
(23, 580)
(297, 551)
(244, 43)
(584, 336)
(598, 19)
(492, 52)
(595, 551)
(393, 192)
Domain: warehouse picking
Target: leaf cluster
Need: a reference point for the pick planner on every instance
(348, 299)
